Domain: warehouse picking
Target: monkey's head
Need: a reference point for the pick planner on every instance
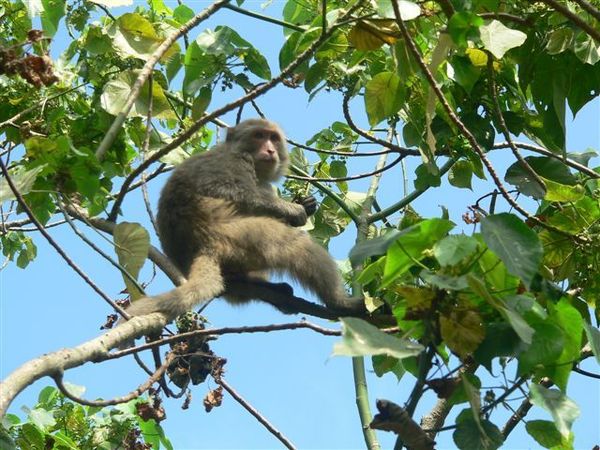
(263, 140)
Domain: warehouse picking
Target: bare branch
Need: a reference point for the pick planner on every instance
(258, 416)
(392, 417)
(58, 379)
(574, 18)
(502, 124)
(542, 151)
(55, 245)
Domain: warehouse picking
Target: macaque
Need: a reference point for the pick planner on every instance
(219, 219)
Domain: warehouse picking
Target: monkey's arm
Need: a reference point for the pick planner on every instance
(275, 207)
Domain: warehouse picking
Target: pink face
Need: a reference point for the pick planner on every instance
(267, 144)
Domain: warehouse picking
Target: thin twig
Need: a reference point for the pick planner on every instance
(55, 245)
(58, 379)
(145, 72)
(574, 18)
(98, 250)
(264, 18)
(35, 107)
(378, 171)
(502, 124)
(466, 132)
(591, 9)
(256, 92)
(254, 412)
(367, 136)
(541, 150)
(410, 197)
(226, 330)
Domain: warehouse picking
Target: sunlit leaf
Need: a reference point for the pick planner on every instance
(372, 34)
(132, 243)
(117, 90)
(23, 181)
(384, 95)
(462, 330)
(359, 338)
(544, 432)
(564, 411)
(499, 39)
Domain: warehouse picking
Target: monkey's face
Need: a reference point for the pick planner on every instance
(263, 140)
(267, 148)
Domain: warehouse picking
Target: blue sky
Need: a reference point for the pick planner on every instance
(289, 376)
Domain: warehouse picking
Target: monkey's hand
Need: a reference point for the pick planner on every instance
(309, 204)
(296, 215)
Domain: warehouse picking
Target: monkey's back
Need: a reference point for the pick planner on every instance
(197, 198)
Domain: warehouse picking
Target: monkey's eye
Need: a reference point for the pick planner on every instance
(259, 135)
(275, 137)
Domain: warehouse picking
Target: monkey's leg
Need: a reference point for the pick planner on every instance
(204, 283)
(260, 243)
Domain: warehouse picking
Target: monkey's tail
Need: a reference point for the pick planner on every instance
(204, 283)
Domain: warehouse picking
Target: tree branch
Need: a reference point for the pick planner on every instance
(115, 127)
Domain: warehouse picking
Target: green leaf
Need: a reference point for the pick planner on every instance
(548, 168)
(425, 179)
(463, 72)
(464, 26)
(515, 243)
(593, 335)
(564, 411)
(217, 42)
(461, 174)
(499, 39)
(23, 181)
(500, 340)
(455, 248)
(383, 364)
(384, 96)
(257, 64)
(53, 11)
(559, 41)
(545, 349)
(410, 246)
(469, 435)
(200, 69)
(544, 432)
(569, 319)
(134, 35)
(556, 192)
(183, 13)
(116, 91)
(132, 243)
(521, 327)
(201, 102)
(586, 49)
(360, 338)
(315, 75)
(34, 437)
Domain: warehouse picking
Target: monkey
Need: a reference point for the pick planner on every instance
(219, 218)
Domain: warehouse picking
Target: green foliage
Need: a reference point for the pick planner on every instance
(56, 422)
